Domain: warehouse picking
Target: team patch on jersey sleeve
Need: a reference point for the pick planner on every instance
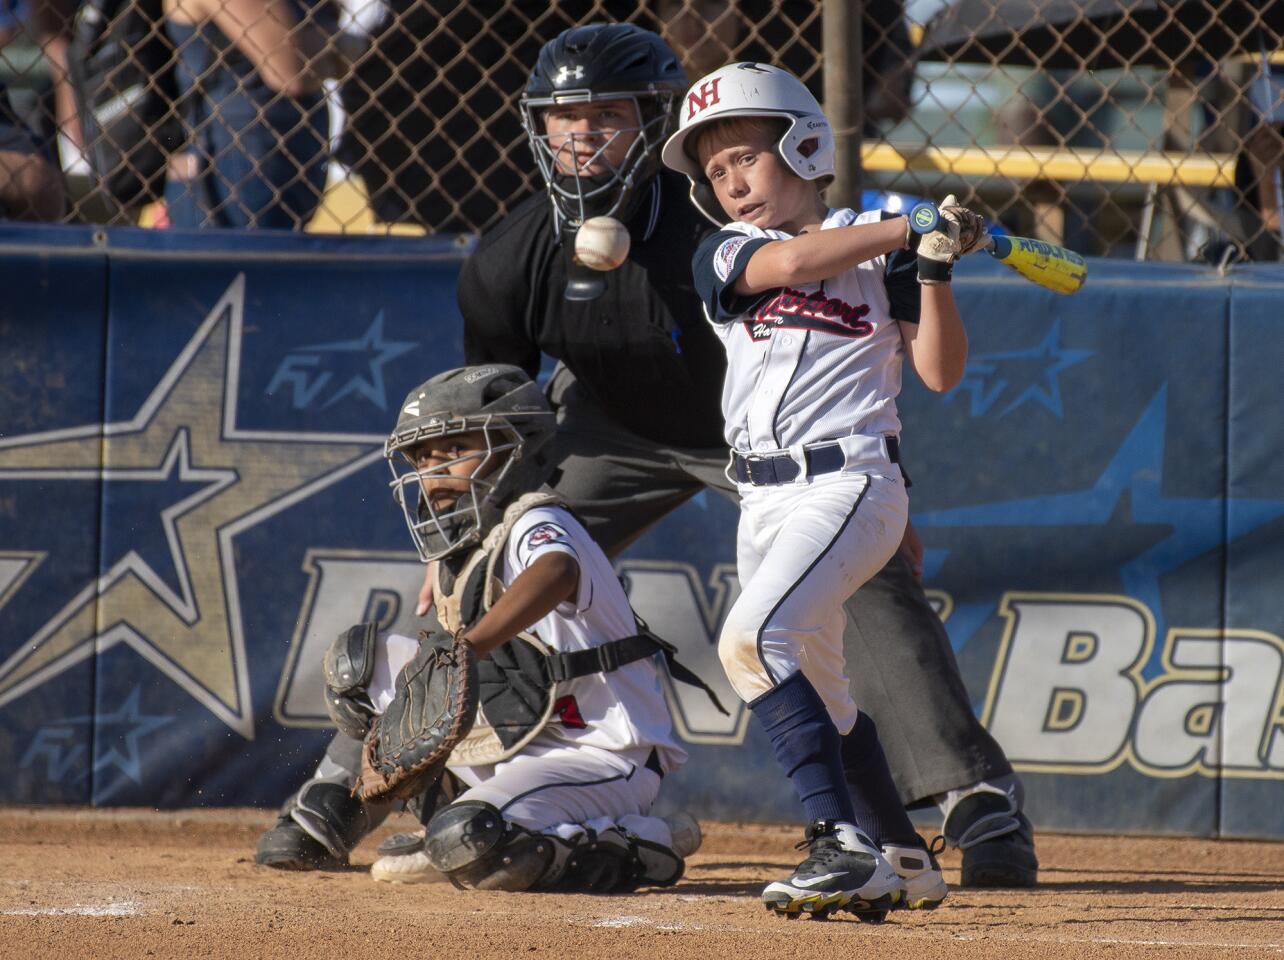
(724, 258)
(544, 534)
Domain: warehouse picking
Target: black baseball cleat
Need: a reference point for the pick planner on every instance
(843, 871)
(287, 846)
(1004, 861)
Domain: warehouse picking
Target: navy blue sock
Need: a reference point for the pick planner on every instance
(807, 747)
(879, 811)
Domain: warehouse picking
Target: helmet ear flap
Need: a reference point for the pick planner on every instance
(706, 201)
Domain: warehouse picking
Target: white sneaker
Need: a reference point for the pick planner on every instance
(925, 887)
(686, 833)
(403, 860)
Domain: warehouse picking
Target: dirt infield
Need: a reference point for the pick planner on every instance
(105, 884)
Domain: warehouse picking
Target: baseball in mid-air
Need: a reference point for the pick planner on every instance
(602, 243)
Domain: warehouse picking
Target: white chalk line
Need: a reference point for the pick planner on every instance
(1123, 942)
(926, 933)
(147, 886)
(112, 908)
(632, 921)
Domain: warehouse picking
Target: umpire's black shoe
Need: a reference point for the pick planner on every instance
(1005, 861)
(843, 871)
(287, 846)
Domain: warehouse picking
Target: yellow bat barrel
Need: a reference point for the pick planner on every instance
(1058, 269)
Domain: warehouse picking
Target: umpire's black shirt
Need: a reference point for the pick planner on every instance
(643, 350)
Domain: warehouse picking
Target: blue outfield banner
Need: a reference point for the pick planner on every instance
(193, 501)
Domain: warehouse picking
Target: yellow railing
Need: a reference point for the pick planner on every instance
(346, 208)
(1065, 164)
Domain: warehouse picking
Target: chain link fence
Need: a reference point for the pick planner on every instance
(1146, 128)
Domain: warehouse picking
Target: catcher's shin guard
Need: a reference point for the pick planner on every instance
(332, 816)
(473, 846)
(616, 861)
(684, 833)
(348, 666)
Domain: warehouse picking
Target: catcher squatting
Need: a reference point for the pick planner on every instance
(537, 805)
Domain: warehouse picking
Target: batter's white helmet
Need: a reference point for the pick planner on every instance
(752, 90)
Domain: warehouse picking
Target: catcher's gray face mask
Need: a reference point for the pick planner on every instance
(448, 504)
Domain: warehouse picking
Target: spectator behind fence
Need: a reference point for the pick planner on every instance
(1259, 170)
(1241, 102)
(250, 76)
(704, 33)
(31, 185)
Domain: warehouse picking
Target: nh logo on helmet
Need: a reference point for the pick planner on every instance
(705, 98)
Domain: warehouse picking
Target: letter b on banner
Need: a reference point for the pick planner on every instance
(1065, 689)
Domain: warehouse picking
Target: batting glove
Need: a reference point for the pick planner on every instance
(974, 235)
(939, 248)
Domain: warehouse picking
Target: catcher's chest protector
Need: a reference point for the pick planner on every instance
(517, 687)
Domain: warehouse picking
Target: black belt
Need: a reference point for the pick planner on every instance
(781, 468)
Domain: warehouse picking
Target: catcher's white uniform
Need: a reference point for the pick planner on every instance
(611, 741)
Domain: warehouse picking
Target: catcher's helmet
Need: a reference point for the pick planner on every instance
(752, 90)
(503, 404)
(603, 61)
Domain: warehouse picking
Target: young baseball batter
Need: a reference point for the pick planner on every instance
(816, 309)
(567, 757)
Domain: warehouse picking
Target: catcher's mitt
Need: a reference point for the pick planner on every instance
(432, 709)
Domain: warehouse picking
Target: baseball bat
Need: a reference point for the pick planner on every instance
(1050, 266)
(1055, 268)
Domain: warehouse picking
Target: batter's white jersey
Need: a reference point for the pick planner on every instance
(820, 362)
(816, 365)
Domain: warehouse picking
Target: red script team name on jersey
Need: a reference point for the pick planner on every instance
(706, 97)
(810, 311)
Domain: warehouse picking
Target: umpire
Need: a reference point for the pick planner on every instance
(637, 393)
